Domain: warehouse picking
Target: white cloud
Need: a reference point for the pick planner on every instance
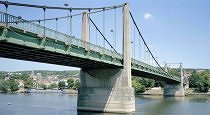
(147, 16)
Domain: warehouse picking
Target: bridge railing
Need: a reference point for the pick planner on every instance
(155, 69)
(38, 29)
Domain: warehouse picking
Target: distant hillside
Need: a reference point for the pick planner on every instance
(45, 73)
(191, 70)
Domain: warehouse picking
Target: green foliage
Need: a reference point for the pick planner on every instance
(4, 86)
(2, 75)
(53, 85)
(28, 83)
(61, 74)
(138, 87)
(70, 82)
(13, 85)
(193, 79)
(43, 86)
(77, 84)
(148, 83)
(174, 71)
(200, 81)
(8, 85)
(22, 76)
(61, 85)
(159, 84)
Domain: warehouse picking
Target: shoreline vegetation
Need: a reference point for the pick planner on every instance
(155, 91)
(199, 82)
(159, 91)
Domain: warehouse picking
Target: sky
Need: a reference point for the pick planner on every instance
(176, 30)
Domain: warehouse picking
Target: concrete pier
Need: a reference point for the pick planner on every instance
(174, 89)
(102, 90)
(108, 89)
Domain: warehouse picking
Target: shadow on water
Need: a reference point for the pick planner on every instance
(98, 113)
(157, 105)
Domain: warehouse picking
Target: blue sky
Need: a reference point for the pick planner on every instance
(175, 30)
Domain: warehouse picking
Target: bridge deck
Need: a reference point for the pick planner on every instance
(26, 41)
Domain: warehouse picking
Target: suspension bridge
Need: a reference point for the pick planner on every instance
(105, 72)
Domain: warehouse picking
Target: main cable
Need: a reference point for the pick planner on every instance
(146, 43)
(53, 7)
(102, 35)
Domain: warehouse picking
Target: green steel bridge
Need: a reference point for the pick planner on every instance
(32, 42)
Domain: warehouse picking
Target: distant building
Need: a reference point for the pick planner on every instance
(20, 83)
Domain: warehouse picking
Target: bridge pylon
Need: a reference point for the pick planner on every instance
(174, 89)
(108, 89)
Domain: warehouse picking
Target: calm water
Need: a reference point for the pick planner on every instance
(64, 104)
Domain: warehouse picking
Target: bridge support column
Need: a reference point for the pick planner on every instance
(85, 30)
(103, 90)
(109, 89)
(174, 89)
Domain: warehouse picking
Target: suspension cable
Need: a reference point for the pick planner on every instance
(46, 19)
(102, 34)
(104, 26)
(146, 43)
(44, 22)
(56, 24)
(134, 41)
(63, 17)
(56, 28)
(115, 27)
(6, 6)
(70, 22)
(53, 7)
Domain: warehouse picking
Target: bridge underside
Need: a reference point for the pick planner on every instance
(21, 52)
(151, 76)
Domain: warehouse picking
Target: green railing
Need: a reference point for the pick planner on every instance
(42, 31)
(18, 22)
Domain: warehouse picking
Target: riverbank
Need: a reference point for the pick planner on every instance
(47, 91)
(159, 91)
(191, 92)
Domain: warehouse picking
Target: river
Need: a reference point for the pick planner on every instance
(65, 104)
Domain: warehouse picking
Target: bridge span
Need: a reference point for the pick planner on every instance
(105, 74)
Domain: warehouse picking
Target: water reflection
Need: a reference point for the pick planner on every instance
(96, 113)
(63, 104)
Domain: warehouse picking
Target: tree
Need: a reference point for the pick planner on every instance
(13, 85)
(70, 82)
(159, 84)
(43, 86)
(53, 85)
(61, 84)
(138, 87)
(193, 79)
(2, 75)
(4, 86)
(28, 83)
(149, 83)
(9, 85)
(77, 84)
(200, 81)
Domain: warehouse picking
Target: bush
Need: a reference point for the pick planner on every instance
(61, 84)
(43, 86)
(200, 81)
(28, 83)
(77, 84)
(70, 82)
(53, 85)
(138, 87)
(9, 85)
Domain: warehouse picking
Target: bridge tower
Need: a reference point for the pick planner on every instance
(174, 89)
(108, 89)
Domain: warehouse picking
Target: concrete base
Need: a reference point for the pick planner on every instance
(104, 91)
(118, 100)
(173, 89)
